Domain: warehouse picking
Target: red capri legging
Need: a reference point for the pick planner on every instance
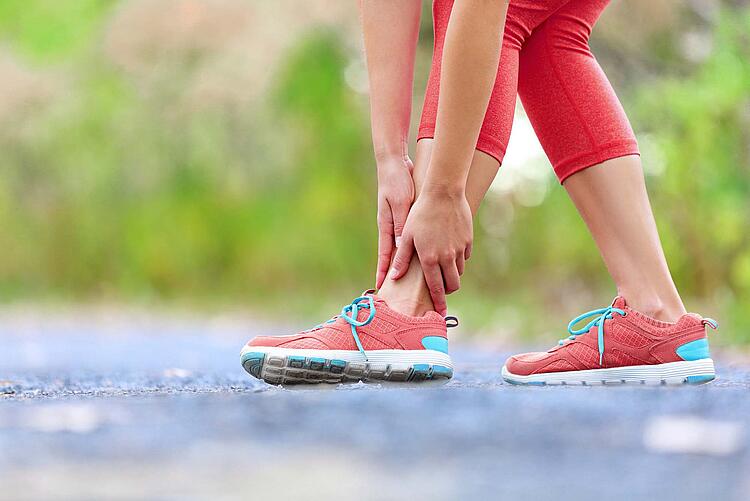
(546, 60)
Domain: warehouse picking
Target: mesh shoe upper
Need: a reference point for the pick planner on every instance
(388, 330)
(630, 339)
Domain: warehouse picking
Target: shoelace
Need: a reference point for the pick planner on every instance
(601, 315)
(349, 313)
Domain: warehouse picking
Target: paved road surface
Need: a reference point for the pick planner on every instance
(134, 408)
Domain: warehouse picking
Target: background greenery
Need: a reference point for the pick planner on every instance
(216, 154)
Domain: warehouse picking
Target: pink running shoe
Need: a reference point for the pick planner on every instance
(368, 340)
(621, 345)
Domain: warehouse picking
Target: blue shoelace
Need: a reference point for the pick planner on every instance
(602, 314)
(349, 313)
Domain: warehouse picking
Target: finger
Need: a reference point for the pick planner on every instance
(385, 247)
(404, 253)
(385, 251)
(467, 252)
(434, 278)
(450, 277)
(399, 211)
(460, 262)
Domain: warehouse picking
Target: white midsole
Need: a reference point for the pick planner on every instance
(431, 357)
(702, 367)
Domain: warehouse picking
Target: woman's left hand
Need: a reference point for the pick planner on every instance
(395, 196)
(439, 227)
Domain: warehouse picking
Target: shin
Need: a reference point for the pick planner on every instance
(611, 197)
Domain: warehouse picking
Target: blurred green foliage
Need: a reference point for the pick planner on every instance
(120, 186)
(701, 127)
(48, 29)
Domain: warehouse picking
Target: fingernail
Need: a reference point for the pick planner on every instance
(394, 272)
(398, 241)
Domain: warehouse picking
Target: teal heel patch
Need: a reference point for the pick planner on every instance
(694, 350)
(437, 343)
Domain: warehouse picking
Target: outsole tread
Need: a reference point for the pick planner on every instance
(685, 380)
(662, 382)
(294, 369)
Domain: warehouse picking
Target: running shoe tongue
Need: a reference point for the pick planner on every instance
(619, 302)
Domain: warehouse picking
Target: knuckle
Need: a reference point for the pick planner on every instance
(430, 259)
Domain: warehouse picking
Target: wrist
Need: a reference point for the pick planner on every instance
(392, 162)
(444, 189)
(390, 152)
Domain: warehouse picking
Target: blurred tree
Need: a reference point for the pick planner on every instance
(166, 166)
(701, 127)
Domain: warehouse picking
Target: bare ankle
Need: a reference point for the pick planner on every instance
(406, 300)
(411, 307)
(655, 306)
(409, 294)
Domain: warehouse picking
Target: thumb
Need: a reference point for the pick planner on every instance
(404, 253)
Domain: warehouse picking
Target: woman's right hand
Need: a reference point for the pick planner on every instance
(440, 230)
(395, 196)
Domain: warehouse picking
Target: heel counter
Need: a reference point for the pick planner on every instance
(437, 343)
(694, 350)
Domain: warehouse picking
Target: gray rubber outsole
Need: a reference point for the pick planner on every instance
(275, 370)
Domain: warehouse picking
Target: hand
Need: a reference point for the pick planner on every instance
(395, 196)
(439, 228)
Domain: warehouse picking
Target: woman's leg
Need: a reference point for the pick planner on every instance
(581, 123)
(624, 229)
(409, 294)
(522, 18)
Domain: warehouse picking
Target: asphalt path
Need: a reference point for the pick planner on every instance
(129, 407)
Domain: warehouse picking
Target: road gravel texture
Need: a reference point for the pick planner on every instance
(138, 407)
